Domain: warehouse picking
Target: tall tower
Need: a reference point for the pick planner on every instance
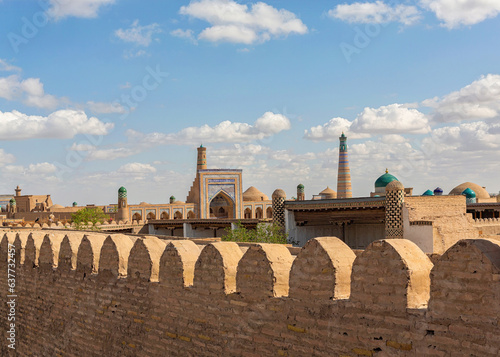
(344, 189)
(202, 158)
(122, 205)
(301, 196)
(394, 201)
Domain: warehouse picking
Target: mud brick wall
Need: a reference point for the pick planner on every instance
(113, 295)
(448, 216)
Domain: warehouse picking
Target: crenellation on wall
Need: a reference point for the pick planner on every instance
(388, 301)
(264, 271)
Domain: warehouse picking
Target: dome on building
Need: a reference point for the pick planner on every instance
(428, 193)
(328, 193)
(384, 180)
(253, 194)
(143, 203)
(179, 203)
(172, 198)
(12, 200)
(469, 193)
(478, 190)
(300, 186)
(279, 193)
(55, 206)
(394, 185)
(75, 204)
(438, 191)
(122, 190)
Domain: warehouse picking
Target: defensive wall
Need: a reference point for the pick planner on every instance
(118, 295)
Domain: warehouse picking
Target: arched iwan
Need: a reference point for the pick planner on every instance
(215, 269)
(144, 258)
(391, 274)
(264, 271)
(322, 270)
(177, 263)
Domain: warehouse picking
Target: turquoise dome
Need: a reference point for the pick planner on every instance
(385, 179)
(428, 193)
(469, 193)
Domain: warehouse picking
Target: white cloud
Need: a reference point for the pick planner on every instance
(236, 23)
(5, 66)
(136, 168)
(139, 35)
(41, 168)
(332, 130)
(375, 13)
(106, 108)
(455, 13)
(224, 132)
(109, 154)
(30, 91)
(76, 8)
(391, 119)
(478, 100)
(187, 34)
(6, 158)
(62, 124)
(472, 136)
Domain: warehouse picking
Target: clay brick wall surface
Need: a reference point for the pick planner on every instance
(449, 217)
(117, 295)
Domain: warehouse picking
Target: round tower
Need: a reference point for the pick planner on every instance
(301, 196)
(202, 158)
(279, 197)
(172, 199)
(18, 191)
(12, 205)
(344, 187)
(394, 200)
(122, 214)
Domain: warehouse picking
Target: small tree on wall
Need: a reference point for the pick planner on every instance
(88, 214)
(263, 233)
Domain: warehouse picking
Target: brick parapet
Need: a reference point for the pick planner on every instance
(120, 296)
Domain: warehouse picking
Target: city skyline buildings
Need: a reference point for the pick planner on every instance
(94, 97)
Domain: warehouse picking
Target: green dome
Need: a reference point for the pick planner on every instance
(122, 190)
(172, 197)
(12, 200)
(385, 179)
(75, 204)
(469, 193)
(428, 193)
(300, 185)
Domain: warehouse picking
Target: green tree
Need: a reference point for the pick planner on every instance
(263, 233)
(88, 214)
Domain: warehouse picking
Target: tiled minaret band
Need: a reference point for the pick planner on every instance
(202, 158)
(344, 189)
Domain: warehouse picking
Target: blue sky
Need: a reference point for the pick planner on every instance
(96, 94)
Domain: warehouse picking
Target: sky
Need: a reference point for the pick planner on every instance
(98, 94)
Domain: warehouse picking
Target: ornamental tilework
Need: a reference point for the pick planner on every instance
(394, 214)
(213, 190)
(279, 211)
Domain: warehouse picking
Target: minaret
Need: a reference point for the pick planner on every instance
(344, 189)
(202, 158)
(301, 196)
(122, 205)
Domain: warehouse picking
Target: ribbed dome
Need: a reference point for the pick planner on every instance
(480, 192)
(328, 191)
(385, 179)
(253, 194)
(428, 193)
